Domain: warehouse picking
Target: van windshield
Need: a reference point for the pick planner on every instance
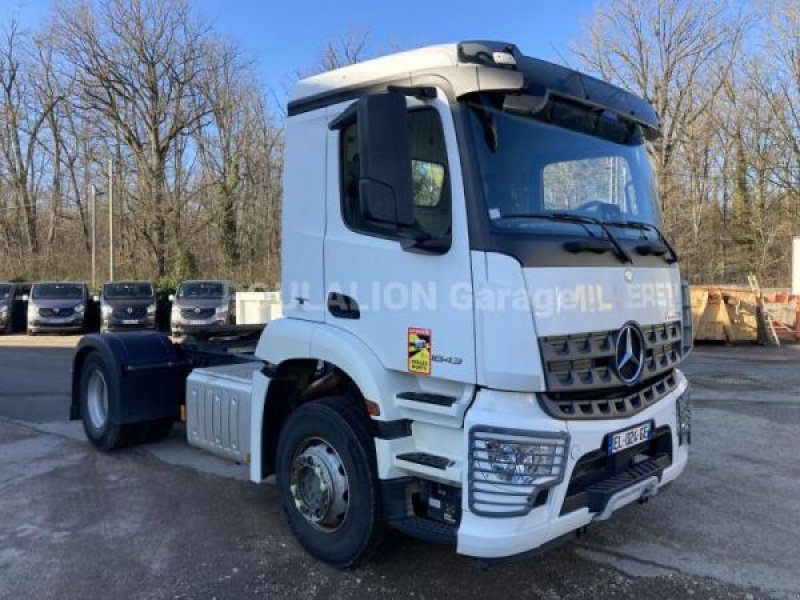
(58, 291)
(201, 289)
(561, 168)
(118, 291)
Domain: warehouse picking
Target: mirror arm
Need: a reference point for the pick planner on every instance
(424, 243)
(420, 92)
(345, 118)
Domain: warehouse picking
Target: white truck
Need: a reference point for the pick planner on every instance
(482, 321)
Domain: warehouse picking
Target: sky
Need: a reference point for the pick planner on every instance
(285, 37)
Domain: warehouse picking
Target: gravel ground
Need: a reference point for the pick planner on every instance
(164, 521)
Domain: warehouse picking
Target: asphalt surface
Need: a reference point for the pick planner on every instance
(166, 521)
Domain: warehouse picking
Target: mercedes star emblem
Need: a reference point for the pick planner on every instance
(629, 354)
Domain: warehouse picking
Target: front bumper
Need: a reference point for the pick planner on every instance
(186, 325)
(115, 324)
(498, 537)
(40, 324)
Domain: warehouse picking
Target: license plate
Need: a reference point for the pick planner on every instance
(58, 320)
(130, 322)
(195, 322)
(622, 440)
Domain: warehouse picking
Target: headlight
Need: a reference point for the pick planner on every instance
(80, 308)
(508, 468)
(684, 417)
(221, 310)
(151, 310)
(33, 311)
(107, 309)
(176, 312)
(3, 309)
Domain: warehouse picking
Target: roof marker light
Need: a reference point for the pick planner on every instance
(504, 58)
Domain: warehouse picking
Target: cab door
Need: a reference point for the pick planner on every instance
(409, 302)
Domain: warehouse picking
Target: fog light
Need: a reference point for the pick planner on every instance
(508, 468)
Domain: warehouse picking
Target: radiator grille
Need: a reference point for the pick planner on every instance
(585, 361)
(204, 313)
(57, 312)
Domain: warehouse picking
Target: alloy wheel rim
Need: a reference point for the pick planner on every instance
(319, 485)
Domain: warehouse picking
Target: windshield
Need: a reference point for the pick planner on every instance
(118, 291)
(5, 291)
(201, 289)
(538, 171)
(58, 291)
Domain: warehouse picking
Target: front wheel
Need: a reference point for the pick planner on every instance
(328, 483)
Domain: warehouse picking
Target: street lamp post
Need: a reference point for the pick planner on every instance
(111, 219)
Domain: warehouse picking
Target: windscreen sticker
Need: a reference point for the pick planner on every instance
(419, 351)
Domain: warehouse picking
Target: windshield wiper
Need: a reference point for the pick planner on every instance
(644, 250)
(581, 220)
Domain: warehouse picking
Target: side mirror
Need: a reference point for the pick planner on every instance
(384, 186)
(171, 298)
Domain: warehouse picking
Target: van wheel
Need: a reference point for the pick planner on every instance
(97, 393)
(328, 481)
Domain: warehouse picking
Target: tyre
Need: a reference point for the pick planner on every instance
(328, 482)
(97, 393)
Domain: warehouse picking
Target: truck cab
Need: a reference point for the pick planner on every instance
(483, 322)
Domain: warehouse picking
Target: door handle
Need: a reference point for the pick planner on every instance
(342, 306)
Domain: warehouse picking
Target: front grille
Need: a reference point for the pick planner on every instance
(596, 476)
(623, 403)
(137, 312)
(51, 312)
(203, 313)
(585, 361)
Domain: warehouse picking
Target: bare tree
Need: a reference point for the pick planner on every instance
(24, 115)
(677, 53)
(139, 64)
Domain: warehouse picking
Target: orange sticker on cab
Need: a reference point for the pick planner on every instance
(419, 351)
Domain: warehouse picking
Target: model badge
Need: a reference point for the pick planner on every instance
(629, 353)
(628, 275)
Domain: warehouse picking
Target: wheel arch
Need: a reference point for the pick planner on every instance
(327, 350)
(146, 368)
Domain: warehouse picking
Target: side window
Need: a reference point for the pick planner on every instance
(430, 179)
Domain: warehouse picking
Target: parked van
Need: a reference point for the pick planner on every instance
(13, 297)
(57, 306)
(127, 305)
(201, 304)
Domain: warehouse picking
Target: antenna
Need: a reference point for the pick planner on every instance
(561, 56)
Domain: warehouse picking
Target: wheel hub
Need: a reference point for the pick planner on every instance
(97, 399)
(319, 485)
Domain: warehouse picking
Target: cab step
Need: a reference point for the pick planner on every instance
(426, 529)
(427, 460)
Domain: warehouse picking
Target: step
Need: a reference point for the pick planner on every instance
(429, 466)
(426, 529)
(427, 398)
